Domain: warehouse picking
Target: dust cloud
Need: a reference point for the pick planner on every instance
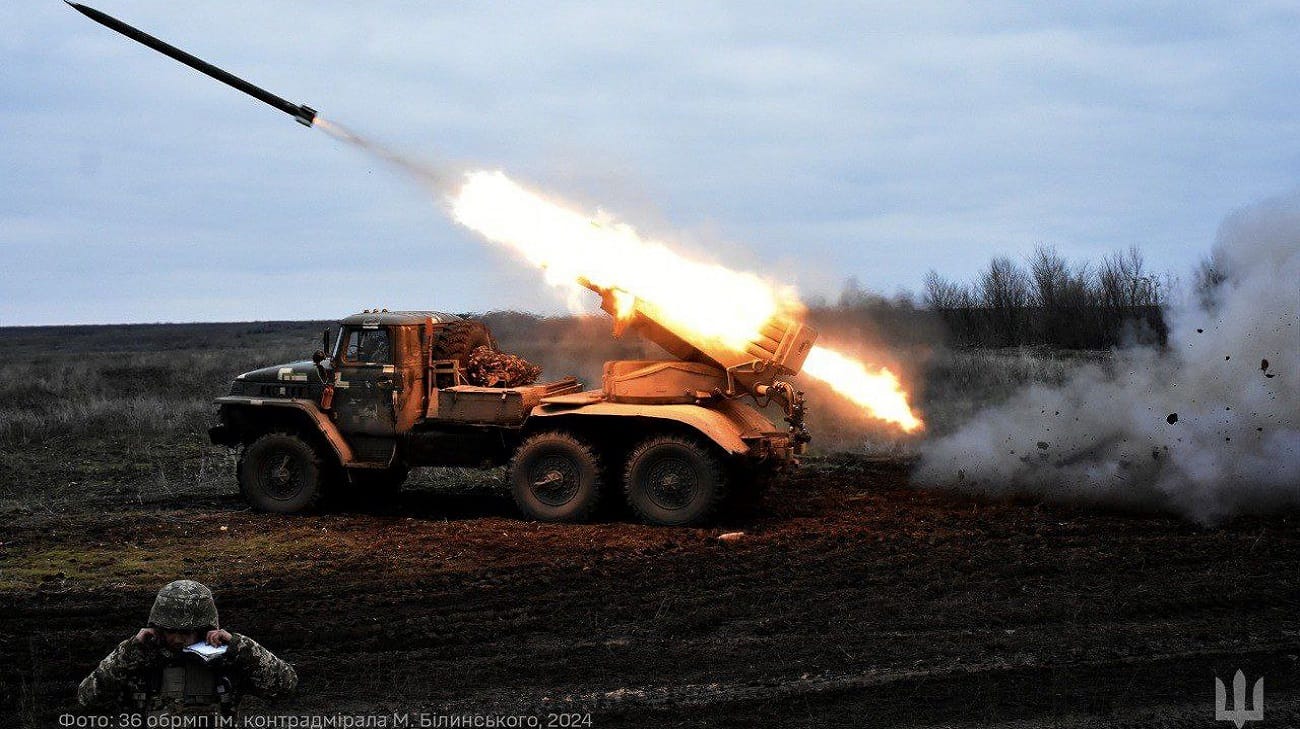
(1207, 429)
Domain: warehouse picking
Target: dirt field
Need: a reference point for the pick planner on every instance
(851, 600)
(855, 597)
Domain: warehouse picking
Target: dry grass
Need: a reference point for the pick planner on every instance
(130, 405)
(127, 406)
(960, 382)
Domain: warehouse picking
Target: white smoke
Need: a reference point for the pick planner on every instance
(1208, 428)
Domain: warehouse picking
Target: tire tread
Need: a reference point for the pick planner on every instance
(583, 511)
(292, 440)
(714, 471)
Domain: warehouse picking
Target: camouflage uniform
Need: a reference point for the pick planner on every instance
(153, 679)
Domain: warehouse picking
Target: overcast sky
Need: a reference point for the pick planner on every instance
(806, 141)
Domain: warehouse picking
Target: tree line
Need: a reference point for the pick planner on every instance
(1051, 302)
(1043, 301)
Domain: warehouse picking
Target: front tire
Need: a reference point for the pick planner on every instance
(280, 472)
(674, 481)
(556, 477)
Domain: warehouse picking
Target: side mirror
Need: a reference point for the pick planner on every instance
(325, 341)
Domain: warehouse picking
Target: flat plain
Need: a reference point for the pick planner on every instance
(855, 596)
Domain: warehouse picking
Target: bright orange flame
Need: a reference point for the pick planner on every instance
(880, 392)
(709, 301)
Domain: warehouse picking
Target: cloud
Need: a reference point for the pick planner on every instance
(938, 132)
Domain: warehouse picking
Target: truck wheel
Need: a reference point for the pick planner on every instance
(555, 477)
(674, 481)
(280, 472)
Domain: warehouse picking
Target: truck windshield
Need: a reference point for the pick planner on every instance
(370, 346)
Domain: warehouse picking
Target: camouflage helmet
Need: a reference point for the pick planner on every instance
(184, 605)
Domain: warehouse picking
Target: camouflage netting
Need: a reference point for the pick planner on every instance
(489, 368)
(457, 339)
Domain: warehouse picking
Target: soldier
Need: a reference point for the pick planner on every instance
(153, 672)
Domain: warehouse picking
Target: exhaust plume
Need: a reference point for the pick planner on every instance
(570, 247)
(422, 172)
(1208, 429)
(713, 301)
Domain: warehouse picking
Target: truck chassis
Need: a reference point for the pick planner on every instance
(673, 436)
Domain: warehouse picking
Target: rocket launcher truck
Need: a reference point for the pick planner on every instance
(678, 438)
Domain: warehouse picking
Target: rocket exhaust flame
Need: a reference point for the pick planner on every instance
(880, 393)
(713, 301)
(710, 300)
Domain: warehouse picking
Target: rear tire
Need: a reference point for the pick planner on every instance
(674, 481)
(280, 472)
(556, 477)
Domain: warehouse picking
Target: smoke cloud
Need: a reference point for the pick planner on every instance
(422, 171)
(1208, 428)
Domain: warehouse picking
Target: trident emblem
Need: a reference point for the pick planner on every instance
(1239, 715)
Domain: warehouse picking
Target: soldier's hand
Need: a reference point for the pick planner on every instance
(218, 638)
(146, 635)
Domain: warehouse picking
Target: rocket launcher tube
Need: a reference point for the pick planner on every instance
(780, 349)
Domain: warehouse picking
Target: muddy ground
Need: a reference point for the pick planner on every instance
(854, 599)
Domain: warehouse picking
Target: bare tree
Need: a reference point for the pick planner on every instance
(1055, 303)
(1129, 296)
(1209, 277)
(1004, 293)
(1078, 302)
(1048, 322)
(939, 293)
(1049, 272)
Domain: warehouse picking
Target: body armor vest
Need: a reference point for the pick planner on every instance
(185, 686)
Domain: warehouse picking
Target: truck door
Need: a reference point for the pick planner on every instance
(364, 381)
